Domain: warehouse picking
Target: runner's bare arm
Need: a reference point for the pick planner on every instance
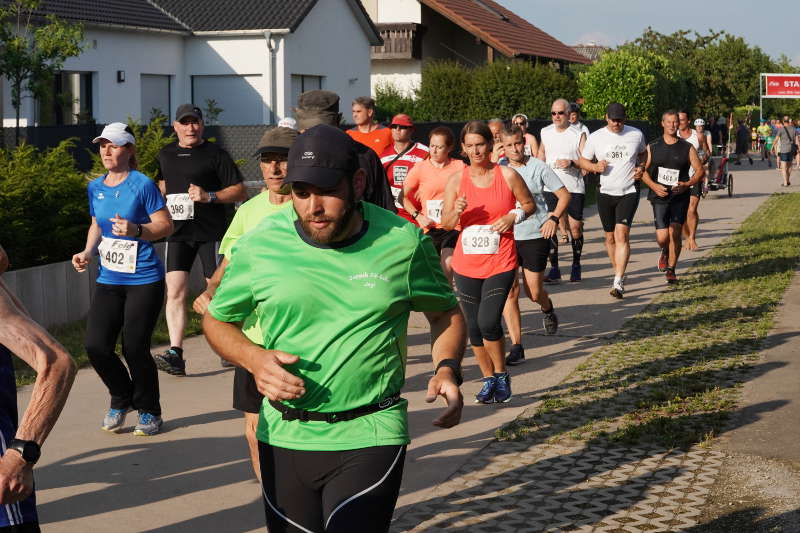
(200, 304)
(266, 366)
(698, 166)
(530, 140)
(162, 186)
(540, 153)
(160, 226)
(448, 334)
(659, 189)
(453, 206)
(81, 260)
(522, 195)
(548, 229)
(229, 195)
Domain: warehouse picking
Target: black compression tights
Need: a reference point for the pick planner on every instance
(482, 301)
(577, 249)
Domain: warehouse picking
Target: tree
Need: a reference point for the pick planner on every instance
(33, 48)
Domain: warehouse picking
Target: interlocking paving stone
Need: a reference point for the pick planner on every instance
(531, 487)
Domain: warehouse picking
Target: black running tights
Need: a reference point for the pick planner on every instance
(482, 301)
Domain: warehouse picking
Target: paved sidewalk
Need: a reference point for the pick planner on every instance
(196, 476)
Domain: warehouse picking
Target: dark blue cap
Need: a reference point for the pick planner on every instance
(321, 156)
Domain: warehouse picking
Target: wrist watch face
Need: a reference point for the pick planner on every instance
(29, 450)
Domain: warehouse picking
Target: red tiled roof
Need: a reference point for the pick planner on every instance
(504, 31)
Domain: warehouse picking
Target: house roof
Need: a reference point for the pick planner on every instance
(134, 13)
(592, 51)
(504, 31)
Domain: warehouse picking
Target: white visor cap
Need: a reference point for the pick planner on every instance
(115, 132)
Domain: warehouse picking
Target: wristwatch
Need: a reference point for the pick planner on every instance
(212, 197)
(554, 218)
(28, 449)
(453, 365)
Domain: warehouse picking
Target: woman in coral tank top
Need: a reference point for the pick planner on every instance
(486, 200)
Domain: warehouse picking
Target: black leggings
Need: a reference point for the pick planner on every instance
(334, 491)
(482, 301)
(134, 310)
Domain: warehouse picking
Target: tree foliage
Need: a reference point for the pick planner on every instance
(43, 205)
(32, 49)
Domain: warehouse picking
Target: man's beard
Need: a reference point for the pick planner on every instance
(335, 231)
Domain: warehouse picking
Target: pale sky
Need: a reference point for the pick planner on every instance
(772, 26)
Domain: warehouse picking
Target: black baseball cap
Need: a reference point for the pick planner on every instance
(321, 156)
(188, 110)
(615, 111)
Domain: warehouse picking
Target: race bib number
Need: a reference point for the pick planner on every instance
(180, 206)
(118, 255)
(480, 240)
(433, 210)
(399, 174)
(668, 176)
(618, 154)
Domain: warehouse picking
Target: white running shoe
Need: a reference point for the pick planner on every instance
(618, 289)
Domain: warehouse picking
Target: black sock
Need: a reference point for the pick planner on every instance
(554, 253)
(177, 350)
(577, 250)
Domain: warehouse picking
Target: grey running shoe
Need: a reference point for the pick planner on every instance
(516, 355)
(148, 425)
(550, 321)
(486, 394)
(114, 419)
(502, 390)
(171, 363)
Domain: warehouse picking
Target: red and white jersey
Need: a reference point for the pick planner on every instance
(397, 169)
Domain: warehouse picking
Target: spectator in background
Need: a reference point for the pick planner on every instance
(366, 130)
(322, 107)
(496, 126)
(399, 158)
(742, 143)
(531, 144)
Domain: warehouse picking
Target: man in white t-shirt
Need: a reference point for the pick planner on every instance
(620, 151)
(561, 148)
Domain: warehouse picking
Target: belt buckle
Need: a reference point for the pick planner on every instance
(385, 403)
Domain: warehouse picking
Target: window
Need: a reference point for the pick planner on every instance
(155, 96)
(68, 100)
(238, 98)
(302, 83)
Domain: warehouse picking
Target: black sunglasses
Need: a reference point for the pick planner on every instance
(554, 113)
(400, 127)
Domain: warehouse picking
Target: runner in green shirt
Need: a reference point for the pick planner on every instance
(273, 150)
(333, 281)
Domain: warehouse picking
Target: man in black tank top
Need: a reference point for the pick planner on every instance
(669, 159)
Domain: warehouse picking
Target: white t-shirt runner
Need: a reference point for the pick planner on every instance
(621, 150)
(564, 145)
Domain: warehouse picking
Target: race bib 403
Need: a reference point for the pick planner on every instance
(118, 255)
(180, 206)
(480, 239)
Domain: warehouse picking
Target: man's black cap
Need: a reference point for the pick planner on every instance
(615, 111)
(276, 140)
(321, 156)
(188, 110)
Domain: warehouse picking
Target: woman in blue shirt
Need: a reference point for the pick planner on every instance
(128, 212)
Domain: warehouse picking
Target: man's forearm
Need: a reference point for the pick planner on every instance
(448, 335)
(229, 342)
(232, 194)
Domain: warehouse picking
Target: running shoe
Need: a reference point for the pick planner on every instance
(662, 260)
(171, 363)
(114, 419)
(502, 391)
(516, 355)
(670, 275)
(553, 275)
(486, 394)
(550, 321)
(575, 273)
(148, 425)
(617, 289)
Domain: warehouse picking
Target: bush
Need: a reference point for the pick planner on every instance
(149, 141)
(43, 205)
(444, 93)
(390, 100)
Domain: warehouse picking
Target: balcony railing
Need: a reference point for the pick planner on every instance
(400, 41)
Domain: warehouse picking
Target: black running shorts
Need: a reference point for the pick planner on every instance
(574, 207)
(245, 393)
(443, 238)
(672, 211)
(334, 491)
(697, 189)
(615, 210)
(181, 254)
(533, 253)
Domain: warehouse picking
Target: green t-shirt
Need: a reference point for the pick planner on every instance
(246, 218)
(344, 311)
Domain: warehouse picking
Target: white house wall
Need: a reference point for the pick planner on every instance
(330, 43)
(404, 74)
(107, 52)
(398, 11)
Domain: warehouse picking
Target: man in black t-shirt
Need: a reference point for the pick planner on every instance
(197, 177)
(669, 160)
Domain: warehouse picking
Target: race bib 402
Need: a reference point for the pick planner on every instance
(118, 255)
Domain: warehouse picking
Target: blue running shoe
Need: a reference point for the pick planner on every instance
(149, 424)
(502, 391)
(114, 419)
(553, 276)
(486, 394)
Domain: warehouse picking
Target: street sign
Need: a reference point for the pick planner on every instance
(782, 86)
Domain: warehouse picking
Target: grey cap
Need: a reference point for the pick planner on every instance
(276, 140)
(188, 110)
(317, 107)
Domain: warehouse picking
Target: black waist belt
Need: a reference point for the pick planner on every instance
(291, 413)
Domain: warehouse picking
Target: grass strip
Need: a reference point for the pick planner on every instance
(672, 376)
(73, 337)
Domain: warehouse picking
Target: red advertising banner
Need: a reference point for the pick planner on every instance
(782, 85)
